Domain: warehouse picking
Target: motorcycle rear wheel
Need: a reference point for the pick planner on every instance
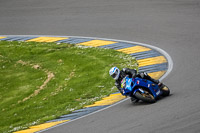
(145, 97)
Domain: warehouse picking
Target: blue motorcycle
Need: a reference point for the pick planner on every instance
(143, 89)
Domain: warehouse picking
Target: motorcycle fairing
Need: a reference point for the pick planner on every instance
(136, 83)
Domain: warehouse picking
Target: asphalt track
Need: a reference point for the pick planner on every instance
(172, 25)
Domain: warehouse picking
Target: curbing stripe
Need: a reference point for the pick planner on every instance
(153, 68)
(46, 39)
(152, 61)
(1, 37)
(74, 40)
(156, 75)
(113, 98)
(148, 57)
(14, 38)
(145, 54)
(117, 46)
(135, 49)
(96, 43)
(41, 127)
(78, 113)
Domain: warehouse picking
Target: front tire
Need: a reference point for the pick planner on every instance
(165, 91)
(145, 97)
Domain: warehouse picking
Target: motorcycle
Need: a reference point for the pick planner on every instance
(143, 89)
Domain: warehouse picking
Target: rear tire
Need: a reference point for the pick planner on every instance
(134, 100)
(145, 97)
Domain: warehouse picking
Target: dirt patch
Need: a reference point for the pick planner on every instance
(36, 92)
(71, 75)
(36, 66)
(61, 88)
(22, 62)
(50, 76)
(60, 61)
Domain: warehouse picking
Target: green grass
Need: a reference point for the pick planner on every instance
(78, 76)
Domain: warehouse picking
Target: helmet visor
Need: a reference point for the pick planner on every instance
(115, 74)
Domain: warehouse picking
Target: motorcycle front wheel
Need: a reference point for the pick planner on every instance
(145, 97)
(165, 91)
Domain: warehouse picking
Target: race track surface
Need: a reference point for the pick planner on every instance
(172, 25)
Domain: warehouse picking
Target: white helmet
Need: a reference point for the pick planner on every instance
(114, 72)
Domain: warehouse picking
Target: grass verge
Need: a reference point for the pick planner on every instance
(42, 81)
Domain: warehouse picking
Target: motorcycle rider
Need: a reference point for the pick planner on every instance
(118, 75)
